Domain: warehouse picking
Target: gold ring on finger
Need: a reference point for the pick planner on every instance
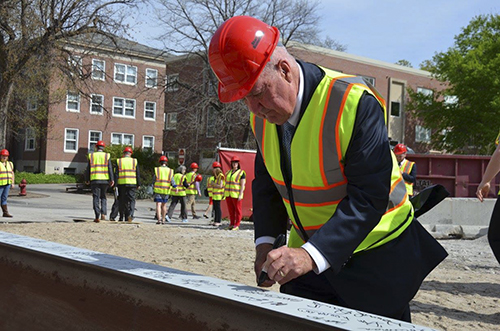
(281, 273)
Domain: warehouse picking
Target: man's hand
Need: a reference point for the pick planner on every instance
(482, 191)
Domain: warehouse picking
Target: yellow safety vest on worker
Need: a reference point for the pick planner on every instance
(406, 167)
(191, 189)
(99, 165)
(163, 180)
(180, 190)
(127, 167)
(218, 193)
(6, 170)
(210, 182)
(233, 183)
(318, 186)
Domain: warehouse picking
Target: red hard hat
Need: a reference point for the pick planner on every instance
(400, 149)
(101, 143)
(128, 149)
(194, 165)
(4, 152)
(198, 178)
(238, 52)
(163, 158)
(235, 159)
(216, 165)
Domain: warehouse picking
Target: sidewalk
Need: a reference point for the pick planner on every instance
(52, 203)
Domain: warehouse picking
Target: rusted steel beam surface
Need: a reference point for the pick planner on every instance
(49, 286)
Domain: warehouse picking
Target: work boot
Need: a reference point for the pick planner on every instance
(96, 220)
(103, 217)
(129, 219)
(5, 211)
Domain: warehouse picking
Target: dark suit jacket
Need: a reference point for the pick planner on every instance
(380, 280)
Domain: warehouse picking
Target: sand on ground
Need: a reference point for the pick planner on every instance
(462, 293)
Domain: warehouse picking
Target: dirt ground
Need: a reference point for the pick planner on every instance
(461, 294)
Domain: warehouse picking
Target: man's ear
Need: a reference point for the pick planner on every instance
(285, 70)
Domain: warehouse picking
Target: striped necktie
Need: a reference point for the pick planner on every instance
(287, 131)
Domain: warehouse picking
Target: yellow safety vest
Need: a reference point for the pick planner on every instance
(318, 186)
(179, 180)
(190, 176)
(233, 183)
(163, 180)
(218, 193)
(210, 181)
(99, 165)
(127, 171)
(6, 173)
(406, 167)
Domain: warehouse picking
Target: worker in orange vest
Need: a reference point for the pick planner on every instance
(408, 168)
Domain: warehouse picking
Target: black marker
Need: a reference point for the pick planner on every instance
(278, 242)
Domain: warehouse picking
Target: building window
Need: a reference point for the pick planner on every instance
(94, 137)
(148, 142)
(122, 139)
(31, 104)
(71, 140)
(75, 65)
(96, 104)
(210, 122)
(125, 74)
(98, 69)
(422, 135)
(149, 110)
(395, 109)
(151, 78)
(172, 82)
(29, 142)
(73, 101)
(170, 121)
(124, 107)
(427, 93)
(368, 80)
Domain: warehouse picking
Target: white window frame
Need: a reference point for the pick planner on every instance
(368, 79)
(66, 140)
(122, 138)
(75, 62)
(172, 82)
(124, 103)
(125, 74)
(92, 143)
(152, 74)
(149, 111)
(420, 131)
(29, 137)
(152, 145)
(77, 101)
(168, 121)
(98, 73)
(426, 92)
(101, 104)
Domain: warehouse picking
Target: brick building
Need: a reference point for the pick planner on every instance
(116, 95)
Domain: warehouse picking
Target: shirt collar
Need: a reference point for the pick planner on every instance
(294, 119)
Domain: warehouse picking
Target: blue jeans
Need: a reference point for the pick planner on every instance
(4, 193)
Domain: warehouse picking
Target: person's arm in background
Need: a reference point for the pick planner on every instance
(87, 174)
(138, 177)
(491, 171)
(13, 176)
(243, 182)
(412, 176)
(197, 185)
(110, 173)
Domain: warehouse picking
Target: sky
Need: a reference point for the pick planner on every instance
(385, 30)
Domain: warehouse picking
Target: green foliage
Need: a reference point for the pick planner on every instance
(404, 63)
(42, 178)
(470, 124)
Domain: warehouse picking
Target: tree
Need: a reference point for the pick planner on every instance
(465, 116)
(404, 63)
(189, 26)
(30, 31)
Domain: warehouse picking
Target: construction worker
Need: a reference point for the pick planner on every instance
(208, 193)
(407, 167)
(193, 189)
(217, 186)
(7, 179)
(161, 188)
(235, 186)
(128, 181)
(178, 194)
(323, 161)
(100, 175)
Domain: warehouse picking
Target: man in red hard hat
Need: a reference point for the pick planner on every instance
(407, 167)
(193, 190)
(99, 174)
(323, 162)
(7, 179)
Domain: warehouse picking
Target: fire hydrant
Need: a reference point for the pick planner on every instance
(22, 187)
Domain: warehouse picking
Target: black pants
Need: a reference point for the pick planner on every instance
(494, 231)
(175, 200)
(126, 195)
(99, 201)
(217, 211)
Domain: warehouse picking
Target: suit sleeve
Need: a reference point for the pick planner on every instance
(269, 213)
(110, 171)
(368, 165)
